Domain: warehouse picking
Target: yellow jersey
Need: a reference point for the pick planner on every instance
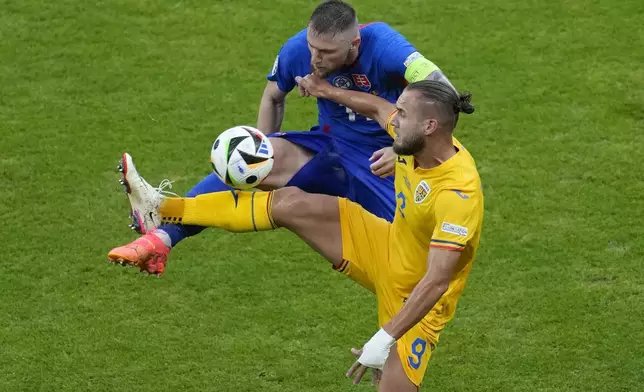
(442, 208)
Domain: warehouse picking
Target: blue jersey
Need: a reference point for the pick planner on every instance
(343, 141)
(383, 56)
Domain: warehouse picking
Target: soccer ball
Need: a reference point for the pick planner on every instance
(242, 157)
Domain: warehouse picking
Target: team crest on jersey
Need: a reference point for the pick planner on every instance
(422, 190)
(361, 81)
(342, 82)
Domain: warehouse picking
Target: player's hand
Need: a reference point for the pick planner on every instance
(357, 370)
(313, 85)
(373, 355)
(383, 162)
(302, 90)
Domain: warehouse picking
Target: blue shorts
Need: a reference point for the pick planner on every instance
(342, 169)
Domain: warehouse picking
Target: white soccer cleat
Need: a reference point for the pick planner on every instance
(144, 198)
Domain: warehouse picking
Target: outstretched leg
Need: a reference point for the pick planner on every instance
(151, 251)
(314, 218)
(289, 158)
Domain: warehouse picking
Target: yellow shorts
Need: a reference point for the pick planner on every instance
(365, 253)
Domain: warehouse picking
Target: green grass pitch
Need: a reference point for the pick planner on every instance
(555, 301)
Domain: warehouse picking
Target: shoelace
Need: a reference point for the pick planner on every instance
(166, 184)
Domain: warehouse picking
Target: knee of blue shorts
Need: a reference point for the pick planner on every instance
(323, 174)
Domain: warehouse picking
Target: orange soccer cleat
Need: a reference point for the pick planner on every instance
(148, 252)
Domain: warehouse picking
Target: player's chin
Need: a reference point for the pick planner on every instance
(397, 146)
(321, 72)
(401, 149)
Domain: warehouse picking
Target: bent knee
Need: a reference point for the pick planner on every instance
(289, 204)
(294, 208)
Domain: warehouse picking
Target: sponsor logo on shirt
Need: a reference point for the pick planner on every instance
(454, 229)
(422, 190)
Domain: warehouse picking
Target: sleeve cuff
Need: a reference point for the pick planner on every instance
(449, 245)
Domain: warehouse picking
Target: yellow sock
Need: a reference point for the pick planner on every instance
(234, 211)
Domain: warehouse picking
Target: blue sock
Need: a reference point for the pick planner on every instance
(210, 184)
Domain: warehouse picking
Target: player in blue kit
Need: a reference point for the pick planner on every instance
(345, 155)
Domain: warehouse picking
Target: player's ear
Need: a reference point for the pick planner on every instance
(430, 126)
(355, 42)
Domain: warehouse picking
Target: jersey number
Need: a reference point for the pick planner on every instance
(403, 203)
(352, 114)
(418, 349)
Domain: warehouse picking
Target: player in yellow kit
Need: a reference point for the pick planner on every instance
(426, 255)
(417, 266)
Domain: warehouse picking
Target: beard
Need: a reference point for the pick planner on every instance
(413, 144)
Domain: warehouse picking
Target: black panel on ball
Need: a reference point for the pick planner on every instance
(232, 145)
(251, 179)
(250, 159)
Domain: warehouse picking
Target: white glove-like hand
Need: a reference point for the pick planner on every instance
(376, 350)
